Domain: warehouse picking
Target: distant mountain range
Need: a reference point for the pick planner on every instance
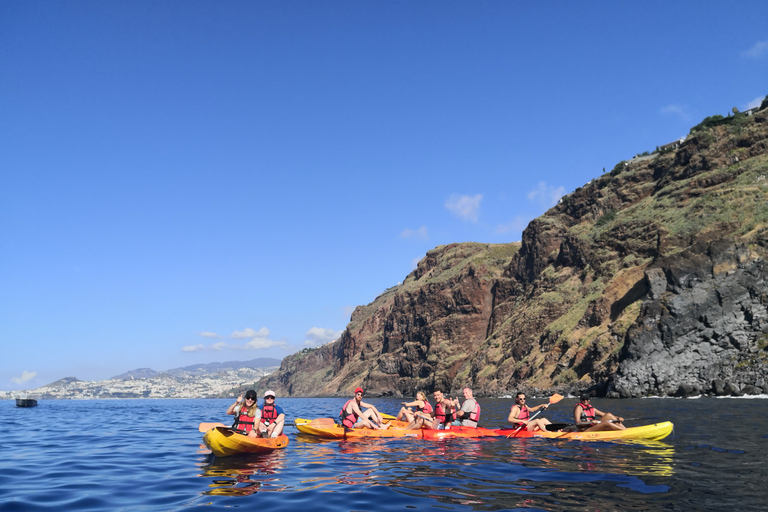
(197, 370)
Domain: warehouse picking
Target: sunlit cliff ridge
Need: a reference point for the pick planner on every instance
(650, 280)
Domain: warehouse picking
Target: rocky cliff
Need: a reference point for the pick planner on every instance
(650, 280)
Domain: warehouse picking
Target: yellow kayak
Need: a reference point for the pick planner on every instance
(654, 432)
(223, 442)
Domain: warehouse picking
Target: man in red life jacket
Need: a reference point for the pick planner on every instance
(520, 413)
(469, 414)
(439, 418)
(352, 413)
(584, 414)
(272, 417)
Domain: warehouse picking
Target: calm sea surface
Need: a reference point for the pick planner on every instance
(147, 455)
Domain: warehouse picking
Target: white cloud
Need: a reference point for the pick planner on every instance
(25, 376)
(420, 234)
(464, 207)
(208, 334)
(518, 224)
(546, 195)
(317, 336)
(257, 340)
(250, 333)
(755, 102)
(757, 51)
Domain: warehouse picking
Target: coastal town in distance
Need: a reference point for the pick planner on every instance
(213, 380)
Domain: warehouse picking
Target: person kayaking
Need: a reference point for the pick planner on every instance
(421, 404)
(272, 416)
(469, 413)
(440, 417)
(352, 413)
(246, 414)
(585, 416)
(520, 413)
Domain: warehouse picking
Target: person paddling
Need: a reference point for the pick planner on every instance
(352, 413)
(520, 413)
(585, 415)
(246, 414)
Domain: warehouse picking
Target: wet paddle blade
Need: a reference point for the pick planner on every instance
(322, 422)
(555, 398)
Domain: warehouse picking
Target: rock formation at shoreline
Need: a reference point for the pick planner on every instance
(650, 280)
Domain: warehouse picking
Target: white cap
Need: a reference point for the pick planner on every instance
(270, 393)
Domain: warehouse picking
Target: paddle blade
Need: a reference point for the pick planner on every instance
(322, 422)
(205, 427)
(555, 398)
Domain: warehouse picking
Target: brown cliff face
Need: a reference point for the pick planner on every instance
(578, 303)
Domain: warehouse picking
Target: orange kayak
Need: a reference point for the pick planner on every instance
(223, 442)
(459, 432)
(327, 428)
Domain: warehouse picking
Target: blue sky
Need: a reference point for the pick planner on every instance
(195, 181)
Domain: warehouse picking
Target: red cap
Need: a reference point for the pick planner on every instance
(359, 390)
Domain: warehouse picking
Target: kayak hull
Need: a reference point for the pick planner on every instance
(223, 442)
(333, 431)
(654, 432)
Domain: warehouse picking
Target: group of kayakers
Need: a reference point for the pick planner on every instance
(268, 421)
(254, 422)
(451, 412)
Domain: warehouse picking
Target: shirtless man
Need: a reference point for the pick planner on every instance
(520, 413)
(352, 413)
(441, 415)
(584, 416)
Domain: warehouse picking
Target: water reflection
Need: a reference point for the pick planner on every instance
(244, 475)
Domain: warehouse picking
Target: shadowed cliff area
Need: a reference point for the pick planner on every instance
(650, 280)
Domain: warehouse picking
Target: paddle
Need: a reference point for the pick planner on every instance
(205, 427)
(552, 400)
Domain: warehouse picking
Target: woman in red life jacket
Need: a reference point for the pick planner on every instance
(421, 404)
(520, 415)
(272, 417)
(246, 414)
(585, 416)
(352, 412)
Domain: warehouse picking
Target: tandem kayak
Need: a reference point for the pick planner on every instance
(327, 428)
(654, 432)
(223, 442)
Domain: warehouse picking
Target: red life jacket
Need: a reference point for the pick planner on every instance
(441, 415)
(348, 419)
(524, 414)
(587, 412)
(268, 413)
(243, 419)
(475, 414)
(427, 408)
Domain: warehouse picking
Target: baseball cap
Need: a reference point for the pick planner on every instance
(359, 390)
(269, 393)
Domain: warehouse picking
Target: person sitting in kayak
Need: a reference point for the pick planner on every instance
(272, 417)
(520, 413)
(439, 418)
(584, 415)
(352, 413)
(246, 414)
(421, 404)
(469, 414)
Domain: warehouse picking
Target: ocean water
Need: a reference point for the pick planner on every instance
(128, 455)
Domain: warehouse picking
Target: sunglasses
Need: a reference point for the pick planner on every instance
(269, 398)
(250, 398)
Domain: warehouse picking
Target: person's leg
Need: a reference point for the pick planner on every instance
(277, 427)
